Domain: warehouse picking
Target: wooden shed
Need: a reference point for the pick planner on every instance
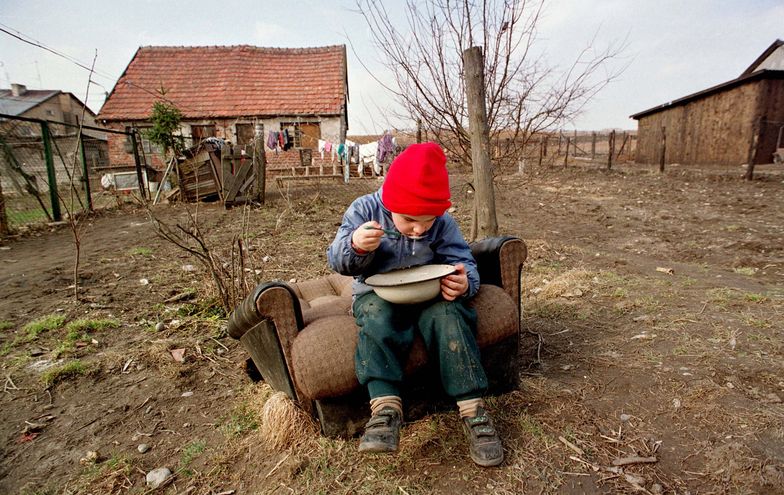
(740, 121)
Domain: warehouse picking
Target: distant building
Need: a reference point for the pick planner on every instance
(234, 93)
(24, 138)
(728, 124)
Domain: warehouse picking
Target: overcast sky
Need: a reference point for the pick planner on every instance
(674, 47)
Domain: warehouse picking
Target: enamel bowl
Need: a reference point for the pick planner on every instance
(410, 285)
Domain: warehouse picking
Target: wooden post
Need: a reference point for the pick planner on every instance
(566, 156)
(487, 223)
(419, 131)
(560, 136)
(260, 157)
(755, 132)
(574, 143)
(663, 148)
(541, 149)
(544, 147)
(593, 145)
(611, 152)
(51, 173)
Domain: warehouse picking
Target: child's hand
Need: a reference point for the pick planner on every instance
(455, 285)
(367, 239)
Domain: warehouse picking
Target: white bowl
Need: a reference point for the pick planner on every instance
(410, 285)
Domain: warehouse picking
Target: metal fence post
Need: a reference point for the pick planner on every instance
(3, 218)
(86, 175)
(50, 173)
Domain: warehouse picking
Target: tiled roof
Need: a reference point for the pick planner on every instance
(18, 105)
(231, 81)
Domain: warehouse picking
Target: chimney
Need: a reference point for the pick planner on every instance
(18, 89)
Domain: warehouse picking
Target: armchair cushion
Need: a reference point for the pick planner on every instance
(323, 352)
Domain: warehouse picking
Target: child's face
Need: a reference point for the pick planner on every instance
(412, 225)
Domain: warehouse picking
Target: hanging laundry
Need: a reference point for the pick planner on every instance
(272, 140)
(367, 155)
(386, 147)
(321, 146)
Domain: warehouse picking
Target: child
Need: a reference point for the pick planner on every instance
(413, 200)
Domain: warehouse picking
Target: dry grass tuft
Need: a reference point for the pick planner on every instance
(572, 283)
(284, 425)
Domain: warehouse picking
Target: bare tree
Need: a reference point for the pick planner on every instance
(525, 94)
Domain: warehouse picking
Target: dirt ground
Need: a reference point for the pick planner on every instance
(654, 304)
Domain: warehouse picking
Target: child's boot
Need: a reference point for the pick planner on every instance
(382, 432)
(484, 445)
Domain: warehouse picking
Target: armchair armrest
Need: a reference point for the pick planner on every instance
(266, 322)
(500, 262)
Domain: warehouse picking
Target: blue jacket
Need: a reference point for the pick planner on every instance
(442, 244)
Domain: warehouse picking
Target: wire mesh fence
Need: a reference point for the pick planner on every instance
(49, 171)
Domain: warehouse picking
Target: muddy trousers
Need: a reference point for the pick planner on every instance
(386, 333)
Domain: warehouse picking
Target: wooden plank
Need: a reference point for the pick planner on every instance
(239, 179)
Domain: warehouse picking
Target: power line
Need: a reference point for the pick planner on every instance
(31, 41)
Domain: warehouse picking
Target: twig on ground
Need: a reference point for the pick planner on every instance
(277, 466)
(571, 445)
(625, 461)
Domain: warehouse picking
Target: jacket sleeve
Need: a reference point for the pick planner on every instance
(340, 255)
(453, 249)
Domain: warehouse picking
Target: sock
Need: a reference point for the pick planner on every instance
(468, 408)
(380, 403)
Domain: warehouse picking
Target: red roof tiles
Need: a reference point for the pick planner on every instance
(231, 81)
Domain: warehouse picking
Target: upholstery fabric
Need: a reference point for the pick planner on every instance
(323, 352)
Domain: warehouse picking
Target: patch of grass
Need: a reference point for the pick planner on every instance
(721, 296)
(620, 292)
(140, 251)
(67, 371)
(46, 323)
(758, 322)
(210, 310)
(189, 453)
(6, 325)
(745, 270)
(81, 326)
(530, 426)
(754, 297)
(241, 421)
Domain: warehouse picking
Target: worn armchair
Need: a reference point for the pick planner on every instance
(302, 339)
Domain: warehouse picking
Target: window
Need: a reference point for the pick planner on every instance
(202, 132)
(246, 132)
(304, 134)
(147, 145)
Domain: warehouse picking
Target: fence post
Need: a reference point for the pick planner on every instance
(50, 173)
(593, 145)
(138, 162)
(3, 218)
(566, 156)
(574, 143)
(419, 131)
(261, 169)
(611, 145)
(755, 132)
(85, 175)
(663, 149)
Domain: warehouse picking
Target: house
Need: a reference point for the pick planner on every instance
(64, 113)
(736, 122)
(233, 93)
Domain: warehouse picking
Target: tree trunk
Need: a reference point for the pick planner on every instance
(487, 224)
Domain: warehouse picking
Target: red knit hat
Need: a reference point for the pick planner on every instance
(417, 182)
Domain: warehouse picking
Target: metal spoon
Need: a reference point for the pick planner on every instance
(394, 234)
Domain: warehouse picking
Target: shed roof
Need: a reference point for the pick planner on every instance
(18, 105)
(762, 74)
(231, 81)
(772, 64)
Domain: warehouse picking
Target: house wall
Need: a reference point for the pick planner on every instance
(712, 130)
(64, 108)
(120, 156)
